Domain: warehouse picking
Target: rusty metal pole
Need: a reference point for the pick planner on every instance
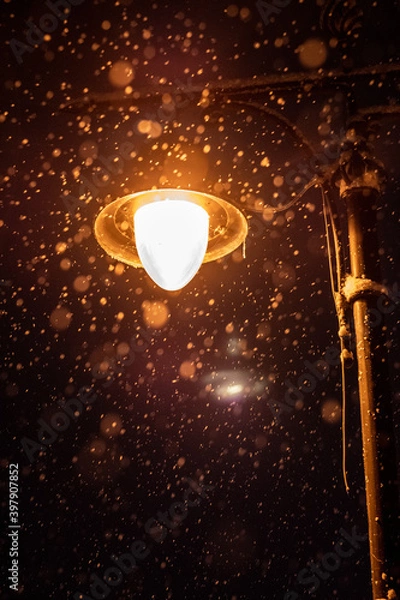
(360, 187)
(366, 397)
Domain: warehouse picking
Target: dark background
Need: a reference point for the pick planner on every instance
(279, 500)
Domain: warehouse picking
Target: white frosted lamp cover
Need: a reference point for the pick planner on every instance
(171, 239)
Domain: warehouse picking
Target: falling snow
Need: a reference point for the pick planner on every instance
(121, 399)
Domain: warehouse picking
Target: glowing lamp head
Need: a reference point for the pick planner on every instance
(171, 238)
(169, 232)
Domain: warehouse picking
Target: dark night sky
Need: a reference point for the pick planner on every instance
(185, 389)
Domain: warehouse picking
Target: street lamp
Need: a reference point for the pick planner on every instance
(170, 232)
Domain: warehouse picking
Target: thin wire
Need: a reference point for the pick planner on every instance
(327, 210)
(328, 243)
(344, 441)
(315, 181)
(336, 245)
(293, 129)
(342, 348)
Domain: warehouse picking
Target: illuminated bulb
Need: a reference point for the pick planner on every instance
(171, 240)
(233, 389)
